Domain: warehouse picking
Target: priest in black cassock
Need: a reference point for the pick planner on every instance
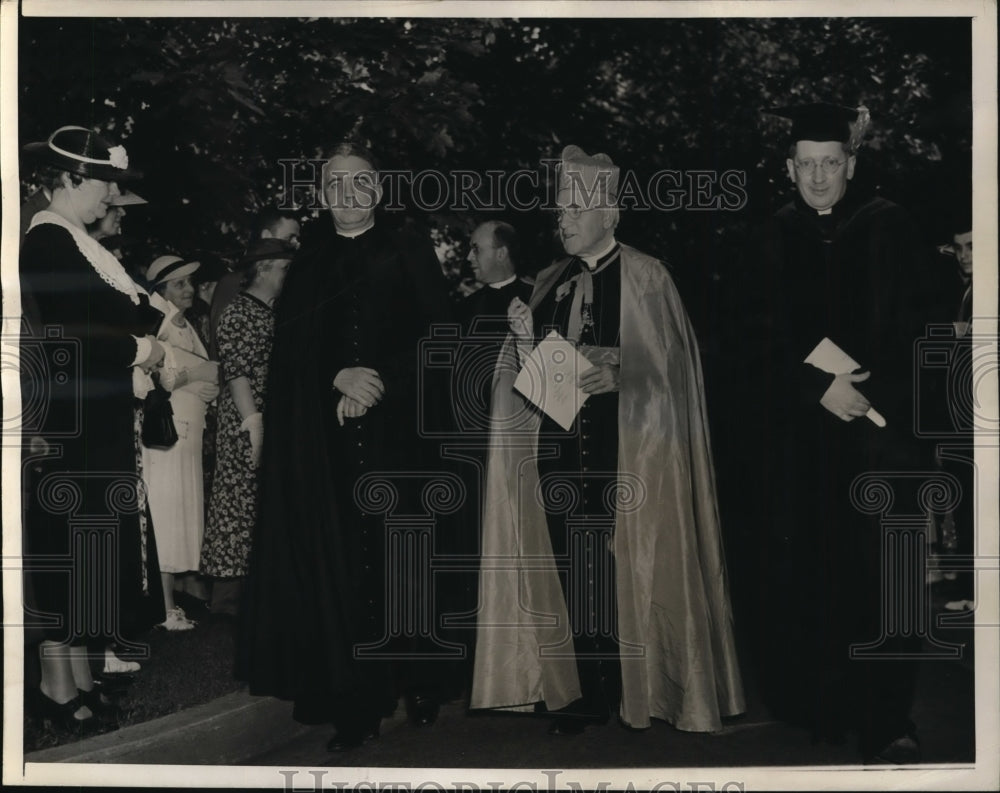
(835, 263)
(494, 258)
(602, 589)
(342, 399)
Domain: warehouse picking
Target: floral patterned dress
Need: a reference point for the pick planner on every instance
(244, 337)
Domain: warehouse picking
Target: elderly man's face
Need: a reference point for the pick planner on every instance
(583, 231)
(820, 171)
(352, 191)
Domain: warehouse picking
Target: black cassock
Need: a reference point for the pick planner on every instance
(575, 483)
(859, 277)
(483, 316)
(318, 581)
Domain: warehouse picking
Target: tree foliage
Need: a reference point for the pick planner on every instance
(208, 107)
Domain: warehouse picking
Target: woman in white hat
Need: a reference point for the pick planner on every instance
(83, 541)
(174, 476)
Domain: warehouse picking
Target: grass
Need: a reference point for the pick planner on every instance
(184, 668)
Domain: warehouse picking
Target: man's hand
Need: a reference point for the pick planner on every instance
(520, 320)
(361, 384)
(38, 446)
(843, 400)
(600, 379)
(349, 408)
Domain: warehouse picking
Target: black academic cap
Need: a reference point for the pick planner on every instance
(819, 121)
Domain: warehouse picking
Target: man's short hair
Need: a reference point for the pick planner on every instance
(353, 148)
(505, 236)
(269, 219)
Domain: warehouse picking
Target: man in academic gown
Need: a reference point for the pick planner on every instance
(603, 586)
(839, 265)
(341, 406)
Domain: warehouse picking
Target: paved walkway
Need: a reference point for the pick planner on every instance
(239, 729)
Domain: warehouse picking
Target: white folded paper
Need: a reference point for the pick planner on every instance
(828, 357)
(548, 379)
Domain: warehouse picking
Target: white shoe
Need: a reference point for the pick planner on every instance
(960, 605)
(113, 665)
(176, 621)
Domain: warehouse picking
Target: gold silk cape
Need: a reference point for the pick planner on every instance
(678, 655)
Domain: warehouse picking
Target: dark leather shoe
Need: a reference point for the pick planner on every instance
(64, 715)
(345, 741)
(905, 750)
(421, 710)
(101, 705)
(566, 725)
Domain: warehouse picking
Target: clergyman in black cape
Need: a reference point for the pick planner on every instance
(342, 455)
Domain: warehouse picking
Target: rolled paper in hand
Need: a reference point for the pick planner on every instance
(876, 417)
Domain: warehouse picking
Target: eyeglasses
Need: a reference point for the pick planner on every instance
(569, 212)
(476, 249)
(829, 165)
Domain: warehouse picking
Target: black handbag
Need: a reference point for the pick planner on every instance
(158, 430)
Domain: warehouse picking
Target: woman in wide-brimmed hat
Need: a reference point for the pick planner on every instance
(84, 551)
(174, 476)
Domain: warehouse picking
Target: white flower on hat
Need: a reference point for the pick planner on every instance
(118, 157)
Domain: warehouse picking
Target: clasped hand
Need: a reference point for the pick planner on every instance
(206, 391)
(349, 408)
(361, 384)
(843, 400)
(206, 372)
(600, 379)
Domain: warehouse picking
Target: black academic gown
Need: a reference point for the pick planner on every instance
(318, 581)
(857, 276)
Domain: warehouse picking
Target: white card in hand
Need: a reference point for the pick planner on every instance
(548, 379)
(828, 357)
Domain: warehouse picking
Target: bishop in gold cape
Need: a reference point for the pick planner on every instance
(678, 659)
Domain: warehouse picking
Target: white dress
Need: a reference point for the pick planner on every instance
(174, 477)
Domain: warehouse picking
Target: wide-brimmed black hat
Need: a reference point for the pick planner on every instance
(82, 151)
(266, 250)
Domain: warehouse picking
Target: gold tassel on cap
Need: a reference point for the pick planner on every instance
(859, 127)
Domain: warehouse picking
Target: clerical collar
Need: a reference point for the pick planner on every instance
(593, 261)
(827, 211)
(502, 284)
(355, 232)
